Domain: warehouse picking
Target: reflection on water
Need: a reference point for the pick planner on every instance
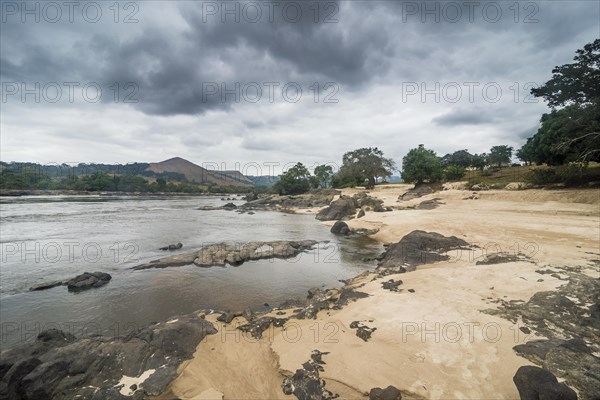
(58, 237)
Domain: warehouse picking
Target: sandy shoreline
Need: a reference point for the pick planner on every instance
(434, 342)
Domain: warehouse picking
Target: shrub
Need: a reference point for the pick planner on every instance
(454, 173)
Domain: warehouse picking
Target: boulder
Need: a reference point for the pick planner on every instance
(534, 383)
(419, 247)
(340, 228)
(416, 192)
(389, 393)
(88, 280)
(341, 208)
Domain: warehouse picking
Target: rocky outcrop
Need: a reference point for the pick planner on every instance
(368, 203)
(306, 384)
(172, 247)
(569, 318)
(235, 254)
(430, 204)
(419, 247)
(314, 198)
(59, 366)
(342, 208)
(534, 383)
(362, 331)
(88, 280)
(416, 192)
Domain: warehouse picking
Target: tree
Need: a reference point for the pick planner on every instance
(461, 158)
(577, 83)
(421, 165)
(479, 161)
(570, 133)
(454, 172)
(500, 155)
(323, 174)
(295, 180)
(365, 164)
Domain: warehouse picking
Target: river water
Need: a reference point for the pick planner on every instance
(46, 238)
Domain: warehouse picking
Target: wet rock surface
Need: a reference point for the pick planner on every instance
(569, 318)
(342, 208)
(59, 366)
(342, 228)
(419, 247)
(235, 254)
(306, 383)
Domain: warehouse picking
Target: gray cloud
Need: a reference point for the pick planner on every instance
(373, 49)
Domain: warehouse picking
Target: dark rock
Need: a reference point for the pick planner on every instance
(88, 280)
(389, 393)
(534, 383)
(392, 285)
(362, 331)
(229, 206)
(227, 316)
(251, 196)
(258, 325)
(340, 228)
(172, 247)
(341, 208)
(416, 192)
(361, 214)
(47, 285)
(411, 290)
(59, 366)
(306, 384)
(500, 258)
(419, 247)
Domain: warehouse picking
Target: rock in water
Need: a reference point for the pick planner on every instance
(88, 280)
(341, 208)
(389, 393)
(340, 228)
(172, 247)
(534, 383)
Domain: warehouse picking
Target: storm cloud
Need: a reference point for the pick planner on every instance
(244, 81)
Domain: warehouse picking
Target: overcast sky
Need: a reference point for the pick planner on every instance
(181, 78)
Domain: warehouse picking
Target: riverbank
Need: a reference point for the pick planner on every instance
(438, 336)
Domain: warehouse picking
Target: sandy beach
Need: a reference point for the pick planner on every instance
(433, 341)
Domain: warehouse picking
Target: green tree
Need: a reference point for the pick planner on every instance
(479, 161)
(461, 158)
(421, 165)
(454, 172)
(295, 180)
(571, 132)
(323, 174)
(366, 164)
(500, 155)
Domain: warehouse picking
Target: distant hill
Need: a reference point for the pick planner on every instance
(196, 174)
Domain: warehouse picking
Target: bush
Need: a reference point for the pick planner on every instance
(454, 173)
(542, 176)
(487, 172)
